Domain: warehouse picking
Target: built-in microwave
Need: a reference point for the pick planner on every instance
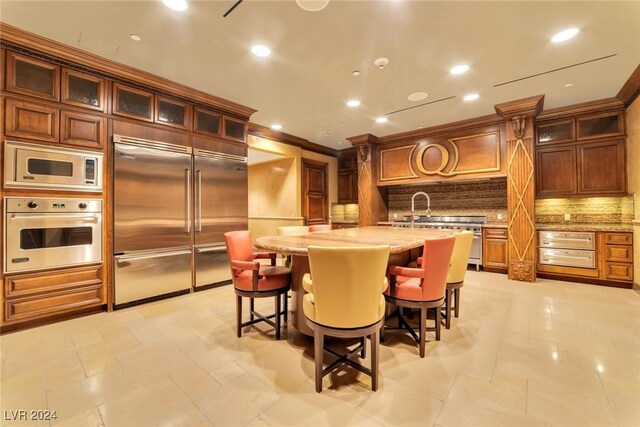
(43, 167)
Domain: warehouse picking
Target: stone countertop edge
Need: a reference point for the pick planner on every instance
(560, 227)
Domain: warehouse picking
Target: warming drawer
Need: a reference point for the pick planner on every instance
(568, 257)
(567, 240)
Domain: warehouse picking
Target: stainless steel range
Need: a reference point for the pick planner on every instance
(469, 222)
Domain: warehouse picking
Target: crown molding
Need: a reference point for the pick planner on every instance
(631, 88)
(285, 138)
(531, 106)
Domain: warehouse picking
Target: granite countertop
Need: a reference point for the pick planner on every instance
(585, 227)
(400, 239)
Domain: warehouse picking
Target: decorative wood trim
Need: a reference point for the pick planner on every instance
(447, 128)
(382, 163)
(15, 38)
(630, 89)
(102, 89)
(600, 105)
(285, 138)
(531, 106)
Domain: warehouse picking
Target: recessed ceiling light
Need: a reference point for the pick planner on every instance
(135, 37)
(420, 127)
(178, 5)
(339, 142)
(565, 35)
(382, 120)
(326, 133)
(471, 97)
(353, 103)
(568, 85)
(459, 69)
(276, 126)
(312, 5)
(417, 96)
(356, 72)
(260, 50)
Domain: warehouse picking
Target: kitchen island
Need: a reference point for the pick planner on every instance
(401, 241)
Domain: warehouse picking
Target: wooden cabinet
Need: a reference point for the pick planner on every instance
(601, 168)
(348, 177)
(31, 120)
(616, 256)
(234, 128)
(86, 130)
(35, 296)
(30, 76)
(206, 121)
(83, 90)
(133, 103)
(494, 249)
(556, 171)
(581, 156)
(172, 112)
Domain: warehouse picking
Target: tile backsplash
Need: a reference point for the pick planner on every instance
(586, 210)
(465, 198)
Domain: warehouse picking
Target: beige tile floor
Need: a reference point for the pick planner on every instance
(549, 353)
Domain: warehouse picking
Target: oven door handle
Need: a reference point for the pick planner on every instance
(211, 249)
(92, 218)
(124, 258)
(187, 175)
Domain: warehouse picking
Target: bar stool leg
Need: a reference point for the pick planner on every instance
(318, 341)
(278, 317)
(239, 315)
(423, 330)
(251, 308)
(457, 302)
(438, 323)
(285, 296)
(363, 352)
(447, 308)
(375, 351)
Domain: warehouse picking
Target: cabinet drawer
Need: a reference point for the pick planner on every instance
(496, 233)
(618, 253)
(37, 283)
(618, 238)
(618, 271)
(60, 302)
(33, 121)
(85, 130)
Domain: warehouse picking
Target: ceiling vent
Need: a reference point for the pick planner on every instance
(420, 105)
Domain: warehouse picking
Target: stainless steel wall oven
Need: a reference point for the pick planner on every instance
(43, 233)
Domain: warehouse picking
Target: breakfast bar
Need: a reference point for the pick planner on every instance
(401, 241)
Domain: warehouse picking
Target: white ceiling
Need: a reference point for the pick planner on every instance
(256, 156)
(308, 78)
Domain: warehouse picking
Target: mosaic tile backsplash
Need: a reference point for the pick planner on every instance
(587, 210)
(341, 212)
(469, 198)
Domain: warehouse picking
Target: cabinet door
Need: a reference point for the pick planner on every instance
(132, 102)
(600, 125)
(555, 132)
(32, 77)
(33, 121)
(495, 253)
(234, 129)
(86, 130)
(348, 161)
(172, 112)
(206, 122)
(345, 187)
(601, 168)
(556, 172)
(83, 90)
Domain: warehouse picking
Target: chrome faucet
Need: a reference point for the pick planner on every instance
(413, 206)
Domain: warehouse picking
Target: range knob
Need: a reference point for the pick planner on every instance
(82, 205)
(32, 205)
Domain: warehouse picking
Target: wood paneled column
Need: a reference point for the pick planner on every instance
(522, 244)
(372, 200)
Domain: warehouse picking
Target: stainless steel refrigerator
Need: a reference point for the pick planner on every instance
(171, 209)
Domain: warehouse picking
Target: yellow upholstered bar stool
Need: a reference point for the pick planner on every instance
(345, 300)
(457, 272)
(319, 227)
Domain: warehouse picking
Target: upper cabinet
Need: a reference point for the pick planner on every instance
(581, 156)
(29, 76)
(83, 90)
(172, 112)
(206, 122)
(132, 102)
(348, 176)
(234, 128)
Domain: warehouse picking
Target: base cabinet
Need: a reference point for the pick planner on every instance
(494, 249)
(35, 296)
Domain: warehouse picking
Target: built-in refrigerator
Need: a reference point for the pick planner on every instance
(172, 206)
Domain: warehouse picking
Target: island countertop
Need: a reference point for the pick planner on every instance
(399, 239)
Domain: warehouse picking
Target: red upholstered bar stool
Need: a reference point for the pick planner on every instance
(422, 288)
(457, 271)
(319, 227)
(253, 280)
(345, 300)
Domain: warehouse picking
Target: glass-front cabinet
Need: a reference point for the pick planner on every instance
(83, 90)
(30, 76)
